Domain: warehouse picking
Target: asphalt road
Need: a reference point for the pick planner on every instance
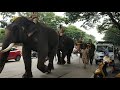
(14, 69)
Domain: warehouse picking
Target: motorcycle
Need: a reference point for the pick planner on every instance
(107, 65)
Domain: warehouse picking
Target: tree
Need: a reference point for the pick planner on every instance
(48, 18)
(91, 18)
(6, 15)
(113, 35)
(75, 33)
(87, 37)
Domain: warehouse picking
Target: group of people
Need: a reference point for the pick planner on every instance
(86, 51)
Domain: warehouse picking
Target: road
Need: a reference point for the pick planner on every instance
(14, 69)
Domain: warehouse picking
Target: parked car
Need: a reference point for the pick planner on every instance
(14, 54)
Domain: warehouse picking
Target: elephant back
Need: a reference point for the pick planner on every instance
(66, 42)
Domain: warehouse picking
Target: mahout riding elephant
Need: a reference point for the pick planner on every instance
(66, 45)
(37, 37)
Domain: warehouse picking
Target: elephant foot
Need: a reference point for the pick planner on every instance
(68, 62)
(63, 62)
(43, 69)
(49, 71)
(59, 63)
(50, 66)
(27, 75)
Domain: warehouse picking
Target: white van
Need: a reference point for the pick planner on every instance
(99, 54)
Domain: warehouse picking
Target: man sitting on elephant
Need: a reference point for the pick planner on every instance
(37, 37)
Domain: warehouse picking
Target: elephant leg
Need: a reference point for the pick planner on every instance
(41, 60)
(27, 61)
(68, 58)
(50, 64)
(51, 55)
(59, 57)
(63, 57)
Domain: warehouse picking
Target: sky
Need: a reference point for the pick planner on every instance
(92, 31)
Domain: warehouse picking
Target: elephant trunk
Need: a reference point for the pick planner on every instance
(4, 54)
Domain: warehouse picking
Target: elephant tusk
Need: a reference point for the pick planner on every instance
(8, 48)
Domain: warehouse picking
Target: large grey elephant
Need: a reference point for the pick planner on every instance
(66, 45)
(37, 37)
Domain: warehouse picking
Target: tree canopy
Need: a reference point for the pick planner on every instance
(91, 18)
(76, 33)
(113, 35)
(106, 22)
(52, 21)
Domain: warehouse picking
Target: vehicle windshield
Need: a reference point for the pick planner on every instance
(101, 48)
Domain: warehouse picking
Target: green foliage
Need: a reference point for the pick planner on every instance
(76, 33)
(110, 20)
(50, 19)
(91, 18)
(113, 35)
(87, 37)
(2, 34)
(7, 14)
(73, 32)
(88, 18)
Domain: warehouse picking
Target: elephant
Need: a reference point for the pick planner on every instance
(33, 36)
(66, 45)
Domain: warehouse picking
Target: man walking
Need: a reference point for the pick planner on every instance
(91, 51)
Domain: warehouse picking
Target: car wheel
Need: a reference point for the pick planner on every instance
(18, 58)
